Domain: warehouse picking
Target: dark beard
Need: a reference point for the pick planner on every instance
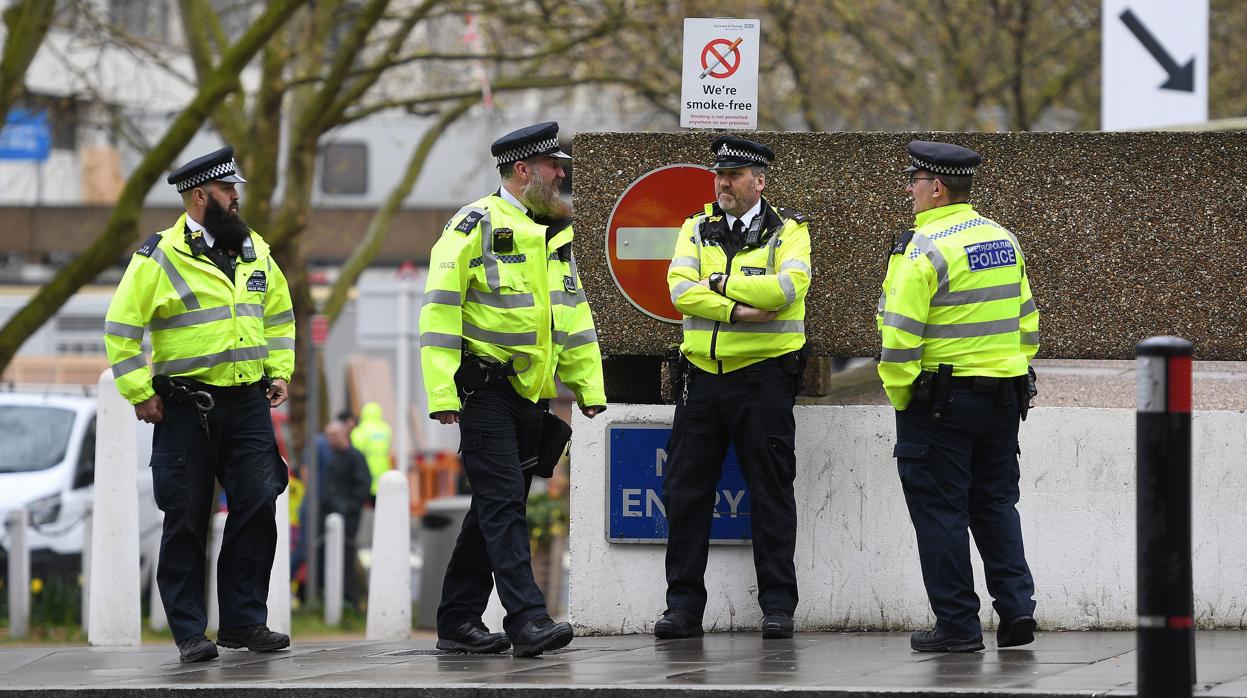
(227, 228)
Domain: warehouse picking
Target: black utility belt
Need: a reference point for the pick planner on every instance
(223, 390)
(981, 384)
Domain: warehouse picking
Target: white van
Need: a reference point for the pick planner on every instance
(47, 467)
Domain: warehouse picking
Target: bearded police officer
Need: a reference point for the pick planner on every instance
(219, 317)
(739, 275)
(959, 328)
(503, 314)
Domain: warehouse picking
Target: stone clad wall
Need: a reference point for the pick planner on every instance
(1126, 235)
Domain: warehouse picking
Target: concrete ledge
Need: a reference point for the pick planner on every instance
(857, 564)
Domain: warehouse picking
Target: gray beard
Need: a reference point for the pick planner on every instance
(542, 198)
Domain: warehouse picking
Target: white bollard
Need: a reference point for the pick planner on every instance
(85, 591)
(19, 574)
(389, 579)
(215, 538)
(335, 557)
(279, 577)
(115, 618)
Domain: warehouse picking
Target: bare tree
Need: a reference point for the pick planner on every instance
(26, 24)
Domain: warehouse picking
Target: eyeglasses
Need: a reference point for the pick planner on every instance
(913, 179)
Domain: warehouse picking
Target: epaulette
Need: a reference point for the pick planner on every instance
(695, 214)
(903, 241)
(148, 247)
(795, 215)
(469, 221)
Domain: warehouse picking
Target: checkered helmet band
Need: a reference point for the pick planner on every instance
(939, 169)
(528, 150)
(728, 151)
(224, 169)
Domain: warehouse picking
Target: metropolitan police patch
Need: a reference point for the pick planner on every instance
(990, 255)
(753, 271)
(257, 282)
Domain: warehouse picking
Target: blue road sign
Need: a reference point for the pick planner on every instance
(26, 135)
(636, 461)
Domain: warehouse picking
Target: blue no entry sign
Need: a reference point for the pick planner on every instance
(636, 463)
(25, 136)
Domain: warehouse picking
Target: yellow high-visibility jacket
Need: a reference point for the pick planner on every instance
(506, 288)
(373, 438)
(956, 293)
(201, 325)
(772, 273)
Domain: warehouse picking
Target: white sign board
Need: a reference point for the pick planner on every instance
(1155, 63)
(719, 85)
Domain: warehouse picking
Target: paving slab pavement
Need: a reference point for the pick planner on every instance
(879, 665)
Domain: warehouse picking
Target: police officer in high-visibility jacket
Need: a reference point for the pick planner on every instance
(504, 313)
(959, 328)
(739, 275)
(217, 311)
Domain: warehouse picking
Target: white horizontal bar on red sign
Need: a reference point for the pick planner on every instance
(646, 243)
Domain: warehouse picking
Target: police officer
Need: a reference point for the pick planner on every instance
(218, 314)
(739, 275)
(504, 312)
(959, 327)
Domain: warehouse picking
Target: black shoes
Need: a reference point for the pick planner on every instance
(937, 641)
(196, 649)
(541, 634)
(676, 624)
(776, 625)
(257, 638)
(473, 638)
(1015, 632)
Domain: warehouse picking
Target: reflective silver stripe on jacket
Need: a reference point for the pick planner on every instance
(179, 284)
(977, 295)
(125, 366)
(900, 356)
(570, 300)
(178, 366)
(690, 262)
(512, 339)
(680, 289)
(1028, 307)
(789, 288)
(193, 317)
(120, 329)
(770, 252)
(488, 259)
(972, 329)
(441, 339)
(280, 318)
(500, 300)
(925, 245)
(905, 323)
(280, 343)
(442, 297)
(249, 310)
(1030, 338)
(773, 327)
(577, 339)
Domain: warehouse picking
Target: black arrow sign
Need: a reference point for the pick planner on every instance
(1181, 79)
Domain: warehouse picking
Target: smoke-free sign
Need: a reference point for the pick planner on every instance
(720, 79)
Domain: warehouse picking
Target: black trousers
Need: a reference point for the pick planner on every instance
(498, 429)
(752, 409)
(240, 452)
(961, 472)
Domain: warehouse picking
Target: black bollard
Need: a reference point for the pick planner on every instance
(1166, 634)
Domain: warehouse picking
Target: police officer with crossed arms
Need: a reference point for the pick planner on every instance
(739, 275)
(959, 328)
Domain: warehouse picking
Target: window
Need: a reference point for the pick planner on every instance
(344, 168)
(36, 438)
(145, 18)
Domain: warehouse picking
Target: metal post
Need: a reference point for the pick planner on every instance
(335, 557)
(1166, 634)
(85, 592)
(19, 574)
(311, 523)
(404, 370)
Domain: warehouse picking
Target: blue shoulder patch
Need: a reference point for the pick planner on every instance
(990, 255)
(148, 247)
(469, 222)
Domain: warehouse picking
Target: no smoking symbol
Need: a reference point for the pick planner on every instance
(726, 58)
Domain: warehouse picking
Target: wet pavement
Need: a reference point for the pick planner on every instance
(738, 664)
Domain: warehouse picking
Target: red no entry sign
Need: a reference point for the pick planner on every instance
(723, 56)
(642, 229)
